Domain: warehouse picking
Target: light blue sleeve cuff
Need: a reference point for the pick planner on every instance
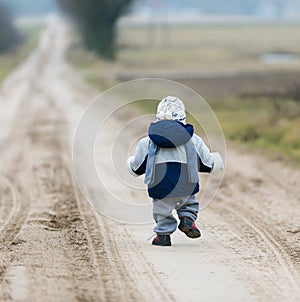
(128, 164)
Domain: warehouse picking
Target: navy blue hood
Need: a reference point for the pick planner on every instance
(169, 133)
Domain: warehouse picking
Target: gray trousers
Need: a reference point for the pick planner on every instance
(166, 223)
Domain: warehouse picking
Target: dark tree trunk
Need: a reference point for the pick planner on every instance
(96, 21)
(101, 40)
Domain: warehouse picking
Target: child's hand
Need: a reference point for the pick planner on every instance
(128, 165)
(218, 164)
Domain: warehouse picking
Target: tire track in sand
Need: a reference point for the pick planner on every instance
(258, 238)
(252, 217)
(62, 250)
(8, 209)
(125, 273)
(272, 242)
(15, 206)
(126, 276)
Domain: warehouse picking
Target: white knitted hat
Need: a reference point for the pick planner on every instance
(171, 108)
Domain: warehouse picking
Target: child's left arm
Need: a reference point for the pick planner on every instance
(208, 162)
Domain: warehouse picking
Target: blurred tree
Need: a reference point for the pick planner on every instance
(9, 37)
(96, 21)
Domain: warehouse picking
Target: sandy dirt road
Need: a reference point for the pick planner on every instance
(55, 247)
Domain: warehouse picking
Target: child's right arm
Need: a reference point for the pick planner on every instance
(136, 164)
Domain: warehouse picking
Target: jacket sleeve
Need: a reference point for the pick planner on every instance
(208, 162)
(136, 164)
(205, 158)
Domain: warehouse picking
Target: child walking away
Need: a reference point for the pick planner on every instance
(171, 157)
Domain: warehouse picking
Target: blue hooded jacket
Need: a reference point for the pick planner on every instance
(171, 157)
(171, 178)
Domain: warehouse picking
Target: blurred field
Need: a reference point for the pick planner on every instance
(30, 34)
(194, 48)
(257, 102)
(199, 48)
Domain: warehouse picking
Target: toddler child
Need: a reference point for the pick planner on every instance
(171, 157)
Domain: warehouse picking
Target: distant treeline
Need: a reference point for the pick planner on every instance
(232, 7)
(225, 7)
(30, 7)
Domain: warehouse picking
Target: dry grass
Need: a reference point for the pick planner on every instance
(271, 124)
